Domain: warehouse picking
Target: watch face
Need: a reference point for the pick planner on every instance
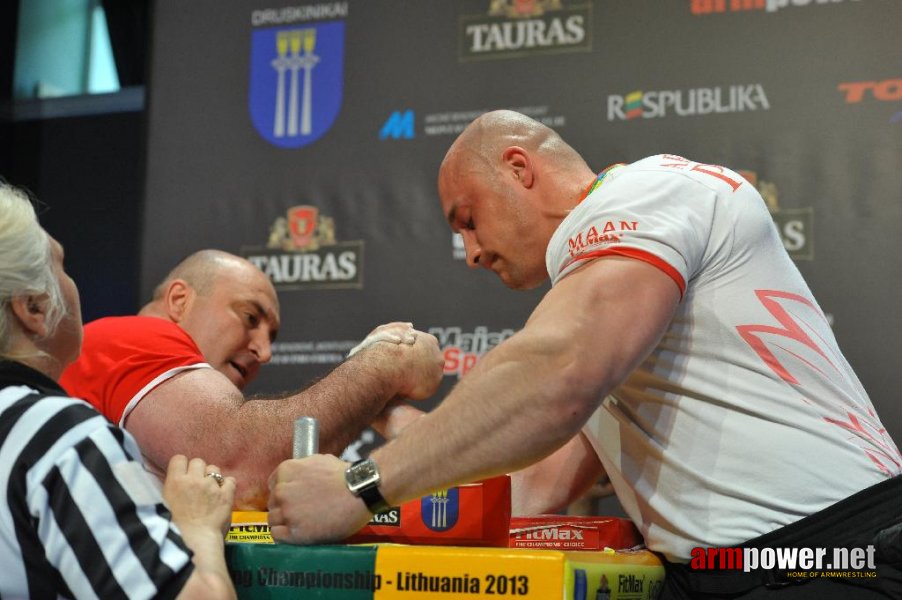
(362, 475)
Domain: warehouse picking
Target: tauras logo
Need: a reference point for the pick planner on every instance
(302, 253)
(522, 27)
(687, 103)
(389, 518)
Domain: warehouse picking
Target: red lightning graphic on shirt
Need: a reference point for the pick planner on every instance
(865, 427)
(883, 448)
(790, 329)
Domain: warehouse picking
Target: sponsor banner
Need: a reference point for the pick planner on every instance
(302, 253)
(874, 93)
(687, 102)
(320, 352)
(462, 349)
(856, 91)
(474, 514)
(521, 28)
(426, 573)
(613, 575)
(296, 72)
(386, 572)
(402, 124)
(573, 532)
(707, 7)
(269, 571)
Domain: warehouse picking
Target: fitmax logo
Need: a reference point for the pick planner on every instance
(398, 126)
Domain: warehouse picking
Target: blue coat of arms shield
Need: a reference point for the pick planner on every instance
(296, 81)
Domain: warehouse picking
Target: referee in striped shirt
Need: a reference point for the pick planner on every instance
(79, 517)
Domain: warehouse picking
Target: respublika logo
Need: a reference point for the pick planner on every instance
(296, 74)
(707, 7)
(687, 103)
(524, 27)
(399, 125)
(302, 253)
(440, 509)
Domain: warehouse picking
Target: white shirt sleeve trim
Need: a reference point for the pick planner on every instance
(154, 383)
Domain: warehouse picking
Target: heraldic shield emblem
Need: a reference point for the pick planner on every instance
(440, 510)
(296, 81)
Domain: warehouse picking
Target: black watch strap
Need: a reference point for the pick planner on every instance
(373, 499)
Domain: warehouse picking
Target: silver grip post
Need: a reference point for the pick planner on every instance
(306, 437)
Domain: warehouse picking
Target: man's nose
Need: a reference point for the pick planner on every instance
(261, 346)
(472, 249)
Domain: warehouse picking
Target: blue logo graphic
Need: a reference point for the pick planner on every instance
(896, 118)
(296, 82)
(440, 509)
(399, 125)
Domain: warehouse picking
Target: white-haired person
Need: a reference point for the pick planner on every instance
(79, 515)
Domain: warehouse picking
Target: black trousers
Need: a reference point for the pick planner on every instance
(872, 516)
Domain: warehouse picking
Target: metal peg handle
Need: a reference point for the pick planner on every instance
(306, 437)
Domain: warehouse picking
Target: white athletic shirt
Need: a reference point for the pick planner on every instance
(746, 417)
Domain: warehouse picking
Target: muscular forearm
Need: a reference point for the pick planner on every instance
(534, 391)
(513, 408)
(344, 402)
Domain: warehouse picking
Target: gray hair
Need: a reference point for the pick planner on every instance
(26, 267)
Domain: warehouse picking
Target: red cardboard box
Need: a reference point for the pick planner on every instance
(476, 514)
(564, 532)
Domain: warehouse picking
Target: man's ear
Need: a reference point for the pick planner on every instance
(177, 299)
(32, 314)
(519, 164)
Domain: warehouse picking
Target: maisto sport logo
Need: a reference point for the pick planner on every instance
(462, 349)
(687, 103)
(707, 7)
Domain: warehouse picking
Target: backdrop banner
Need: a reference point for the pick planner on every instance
(307, 137)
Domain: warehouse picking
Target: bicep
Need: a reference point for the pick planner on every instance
(608, 316)
(186, 414)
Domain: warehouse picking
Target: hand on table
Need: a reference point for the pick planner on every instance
(197, 499)
(309, 502)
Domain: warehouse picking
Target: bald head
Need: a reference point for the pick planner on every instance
(480, 146)
(505, 185)
(201, 269)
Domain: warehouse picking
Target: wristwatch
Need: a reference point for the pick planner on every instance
(363, 481)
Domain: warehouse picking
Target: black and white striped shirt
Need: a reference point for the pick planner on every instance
(79, 516)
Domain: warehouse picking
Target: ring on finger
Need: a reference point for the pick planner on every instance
(216, 476)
